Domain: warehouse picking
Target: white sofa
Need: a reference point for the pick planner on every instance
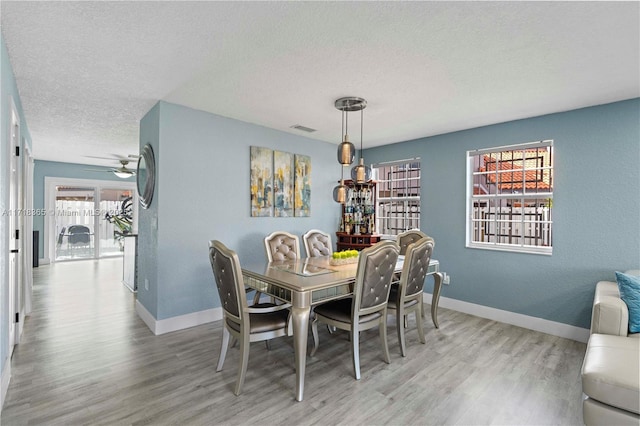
(611, 366)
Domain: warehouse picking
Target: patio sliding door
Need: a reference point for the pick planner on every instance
(75, 223)
(87, 219)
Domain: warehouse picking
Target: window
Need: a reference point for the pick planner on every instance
(398, 198)
(510, 198)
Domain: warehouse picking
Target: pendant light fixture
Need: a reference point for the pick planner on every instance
(361, 173)
(340, 191)
(346, 150)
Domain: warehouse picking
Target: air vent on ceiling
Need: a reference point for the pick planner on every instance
(303, 128)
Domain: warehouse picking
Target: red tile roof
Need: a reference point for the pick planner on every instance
(534, 179)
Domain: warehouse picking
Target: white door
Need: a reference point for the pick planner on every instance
(14, 223)
(27, 226)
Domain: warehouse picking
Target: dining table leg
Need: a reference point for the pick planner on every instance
(300, 320)
(435, 297)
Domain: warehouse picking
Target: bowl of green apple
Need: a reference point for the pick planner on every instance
(344, 257)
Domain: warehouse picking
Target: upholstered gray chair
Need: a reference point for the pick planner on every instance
(281, 245)
(317, 243)
(407, 237)
(407, 296)
(368, 306)
(404, 239)
(247, 324)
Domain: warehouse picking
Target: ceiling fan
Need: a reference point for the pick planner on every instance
(122, 171)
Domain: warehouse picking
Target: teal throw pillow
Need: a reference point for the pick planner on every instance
(629, 286)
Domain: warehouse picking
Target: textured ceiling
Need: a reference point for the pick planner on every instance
(88, 71)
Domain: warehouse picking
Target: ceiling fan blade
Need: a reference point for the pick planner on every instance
(125, 157)
(101, 158)
(115, 157)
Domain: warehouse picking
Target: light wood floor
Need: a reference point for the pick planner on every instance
(87, 359)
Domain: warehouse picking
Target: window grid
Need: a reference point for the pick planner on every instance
(511, 198)
(398, 197)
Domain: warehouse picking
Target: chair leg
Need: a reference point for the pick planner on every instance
(383, 336)
(266, 343)
(244, 362)
(400, 326)
(316, 340)
(420, 327)
(355, 350)
(256, 298)
(223, 349)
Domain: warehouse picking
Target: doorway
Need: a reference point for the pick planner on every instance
(89, 218)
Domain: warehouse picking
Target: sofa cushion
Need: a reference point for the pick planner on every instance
(611, 371)
(629, 286)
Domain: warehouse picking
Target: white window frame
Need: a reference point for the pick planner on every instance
(409, 222)
(472, 198)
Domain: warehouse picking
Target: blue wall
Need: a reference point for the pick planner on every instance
(148, 218)
(202, 193)
(596, 211)
(42, 169)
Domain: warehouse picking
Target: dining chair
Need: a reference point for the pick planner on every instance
(281, 245)
(404, 239)
(245, 323)
(368, 306)
(61, 236)
(79, 237)
(407, 237)
(317, 243)
(406, 297)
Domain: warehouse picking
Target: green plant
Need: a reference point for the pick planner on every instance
(122, 220)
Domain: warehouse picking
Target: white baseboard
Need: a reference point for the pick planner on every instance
(532, 323)
(180, 322)
(6, 378)
(44, 261)
(193, 319)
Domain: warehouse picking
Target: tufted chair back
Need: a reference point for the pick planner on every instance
(317, 243)
(281, 245)
(416, 265)
(408, 237)
(373, 279)
(226, 270)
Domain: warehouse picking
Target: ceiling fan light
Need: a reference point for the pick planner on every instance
(122, 174)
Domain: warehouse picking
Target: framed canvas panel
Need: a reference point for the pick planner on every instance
(261, 182)
(283, 164)
(302, 198)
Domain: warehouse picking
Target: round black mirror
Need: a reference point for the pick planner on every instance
(146, 176)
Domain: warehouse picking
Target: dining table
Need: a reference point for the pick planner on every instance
(307, 282)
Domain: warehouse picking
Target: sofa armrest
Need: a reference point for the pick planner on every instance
(610, 314)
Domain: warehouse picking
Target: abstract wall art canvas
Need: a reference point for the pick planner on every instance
(261, 182)
(283, 188)
(302, 198)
